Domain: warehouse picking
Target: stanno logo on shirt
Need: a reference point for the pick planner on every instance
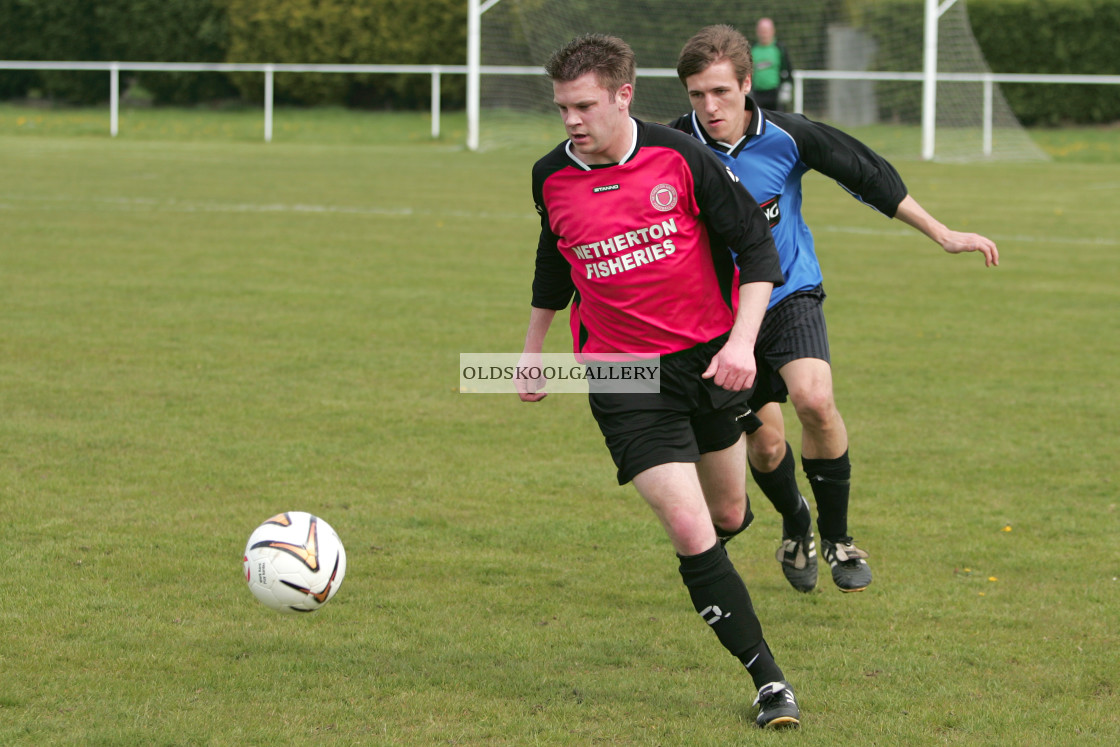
(606, 188)
(663, 197)
(771, 210)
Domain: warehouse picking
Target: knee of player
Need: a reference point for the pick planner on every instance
(729, 515)
(817, 409)
(766, 448)
(691, 531)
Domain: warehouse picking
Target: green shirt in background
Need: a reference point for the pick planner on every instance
(767, 67)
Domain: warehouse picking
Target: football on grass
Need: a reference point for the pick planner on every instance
(294, 562)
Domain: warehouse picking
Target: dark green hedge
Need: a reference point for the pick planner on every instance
(1016, 36)
(350, 32)
(51, 30)
(1076, 37)
(169, 31)
(299, 31)
(133, 30)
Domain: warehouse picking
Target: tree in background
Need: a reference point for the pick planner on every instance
(169, 31)
(282, 31)
(348, 32)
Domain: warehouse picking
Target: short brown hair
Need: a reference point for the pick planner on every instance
(610, 58)
(710, 45)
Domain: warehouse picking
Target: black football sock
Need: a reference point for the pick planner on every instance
(831, 482)
(761, 666)
(720, 596)
(780, 486)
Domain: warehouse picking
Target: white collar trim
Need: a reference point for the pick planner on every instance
(629, 154)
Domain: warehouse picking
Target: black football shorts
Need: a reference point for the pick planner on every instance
(792, 330)
(690, 416)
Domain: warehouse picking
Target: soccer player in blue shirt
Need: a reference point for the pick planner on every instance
(770, 151)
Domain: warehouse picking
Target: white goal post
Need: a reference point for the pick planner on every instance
(933, 13)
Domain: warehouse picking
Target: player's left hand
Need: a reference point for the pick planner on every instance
(956, 243)
(733, 367)
(529, 389)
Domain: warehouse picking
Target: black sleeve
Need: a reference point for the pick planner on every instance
(733, 218)
(838, 155)
(786, 69)
(552, 278)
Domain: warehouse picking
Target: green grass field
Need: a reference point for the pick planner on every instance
(197, 332)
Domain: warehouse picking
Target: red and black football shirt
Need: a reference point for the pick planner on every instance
(646, 246)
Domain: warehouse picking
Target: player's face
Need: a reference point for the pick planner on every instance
(598, 126)
(720, 101)
(765, 31)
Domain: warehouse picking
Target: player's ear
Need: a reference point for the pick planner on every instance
(747, 84)
(624, 95)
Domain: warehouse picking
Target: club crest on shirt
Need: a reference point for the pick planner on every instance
(663, 197)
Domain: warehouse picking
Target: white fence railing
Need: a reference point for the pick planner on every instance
(269, 69)
(988, 80)
(436, 71)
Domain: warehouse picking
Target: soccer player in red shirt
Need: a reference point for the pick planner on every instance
(651, 239)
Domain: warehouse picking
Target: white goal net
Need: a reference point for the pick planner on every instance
(819, 35)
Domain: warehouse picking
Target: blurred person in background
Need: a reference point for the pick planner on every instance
(773, 70)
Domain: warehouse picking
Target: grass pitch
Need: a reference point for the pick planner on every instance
(198, 333)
